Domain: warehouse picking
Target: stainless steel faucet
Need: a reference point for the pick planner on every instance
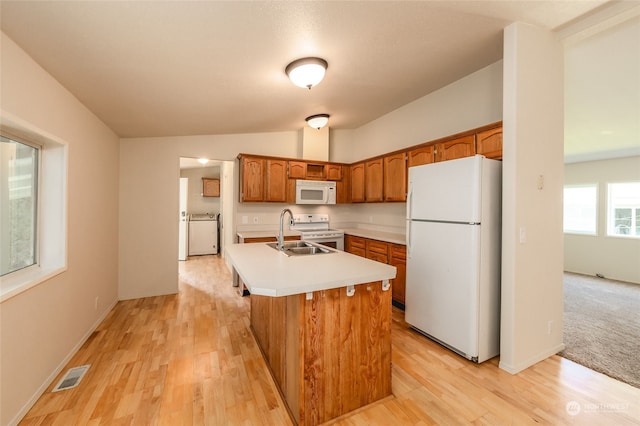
(281, 233)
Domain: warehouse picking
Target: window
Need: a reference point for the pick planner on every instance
(33, 206)
(19, 207)
(624, 209)
(580, 207)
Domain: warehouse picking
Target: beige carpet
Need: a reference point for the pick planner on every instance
(602, 326)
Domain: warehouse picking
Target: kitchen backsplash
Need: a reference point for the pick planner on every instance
(386, 217)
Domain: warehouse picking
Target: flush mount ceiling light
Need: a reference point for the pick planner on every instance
(317, 121)
(203, 161)
(306, 72)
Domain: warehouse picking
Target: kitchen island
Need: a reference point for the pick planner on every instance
(323, 324)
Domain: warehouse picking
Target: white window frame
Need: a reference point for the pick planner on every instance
(27, 269)
(610, 213)
(52, 204)
(577, 232)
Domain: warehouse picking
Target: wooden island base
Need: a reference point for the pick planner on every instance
(329, 354)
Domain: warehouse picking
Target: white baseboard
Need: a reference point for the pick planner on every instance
(515, 369)
(43, 387)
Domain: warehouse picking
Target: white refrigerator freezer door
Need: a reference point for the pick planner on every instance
(442, 283)
(455, 184)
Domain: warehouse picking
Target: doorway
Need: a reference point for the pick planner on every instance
(206, 188)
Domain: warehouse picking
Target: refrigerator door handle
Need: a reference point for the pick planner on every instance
(408, 239)
(409, 198)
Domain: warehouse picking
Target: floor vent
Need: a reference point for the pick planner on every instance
(72, 378)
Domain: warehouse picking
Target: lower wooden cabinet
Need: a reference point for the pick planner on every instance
(355, 245)
(330, 353)
(384, 252)
(398, 284)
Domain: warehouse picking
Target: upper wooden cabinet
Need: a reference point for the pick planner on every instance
(357, 183)
(297, 170)
(263, 179)
(333, 171)
(210, 187)
(276, 185)
(373, 180)
(307, 170)
(252, 177)
(420, 156)
(456, 148)
(395, 177)
(381, 179)
(489, 143)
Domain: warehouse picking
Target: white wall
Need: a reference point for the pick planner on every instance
(42, 327)
(148, 231)
(196, 203)
(614, 257)
(533, 147)
(470, 102)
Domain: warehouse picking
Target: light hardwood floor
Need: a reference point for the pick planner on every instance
(190, 359)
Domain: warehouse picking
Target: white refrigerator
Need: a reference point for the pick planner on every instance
(453, 254)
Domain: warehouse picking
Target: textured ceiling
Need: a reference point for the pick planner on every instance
(151, 68)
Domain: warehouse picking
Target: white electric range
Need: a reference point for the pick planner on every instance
(315, 228)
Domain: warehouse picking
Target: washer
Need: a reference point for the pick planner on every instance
(203, 234)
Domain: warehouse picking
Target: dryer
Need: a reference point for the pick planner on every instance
(203, 234)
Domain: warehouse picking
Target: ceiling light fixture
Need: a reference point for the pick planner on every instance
(203, 161)
(317, 121)
(306, 72)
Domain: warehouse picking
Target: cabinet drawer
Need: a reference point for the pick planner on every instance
(358, 251)
(377, 247)
(398, 251)
(355, 242)
(378, 257)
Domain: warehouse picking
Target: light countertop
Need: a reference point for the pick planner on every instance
(377, 235)
(268, 272)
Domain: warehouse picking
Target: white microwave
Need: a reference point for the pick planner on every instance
(315, 192)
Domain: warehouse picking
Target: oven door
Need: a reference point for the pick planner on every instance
(333, 242)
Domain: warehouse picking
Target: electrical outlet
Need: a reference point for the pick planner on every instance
(245, 220)
(523, 235)
(97, 302)
(550, 327)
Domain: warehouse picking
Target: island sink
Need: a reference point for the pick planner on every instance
(300, 248)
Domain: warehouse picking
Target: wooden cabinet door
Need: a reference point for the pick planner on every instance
(420, 156)
(210, 187)
(489, 143)
(297, 170)
(333, 171)
(395, 177)
(276, 181)
(373, 180)
(357, 183)
(252, 175)
(398, 284)
(343, 186)
(456, 148)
